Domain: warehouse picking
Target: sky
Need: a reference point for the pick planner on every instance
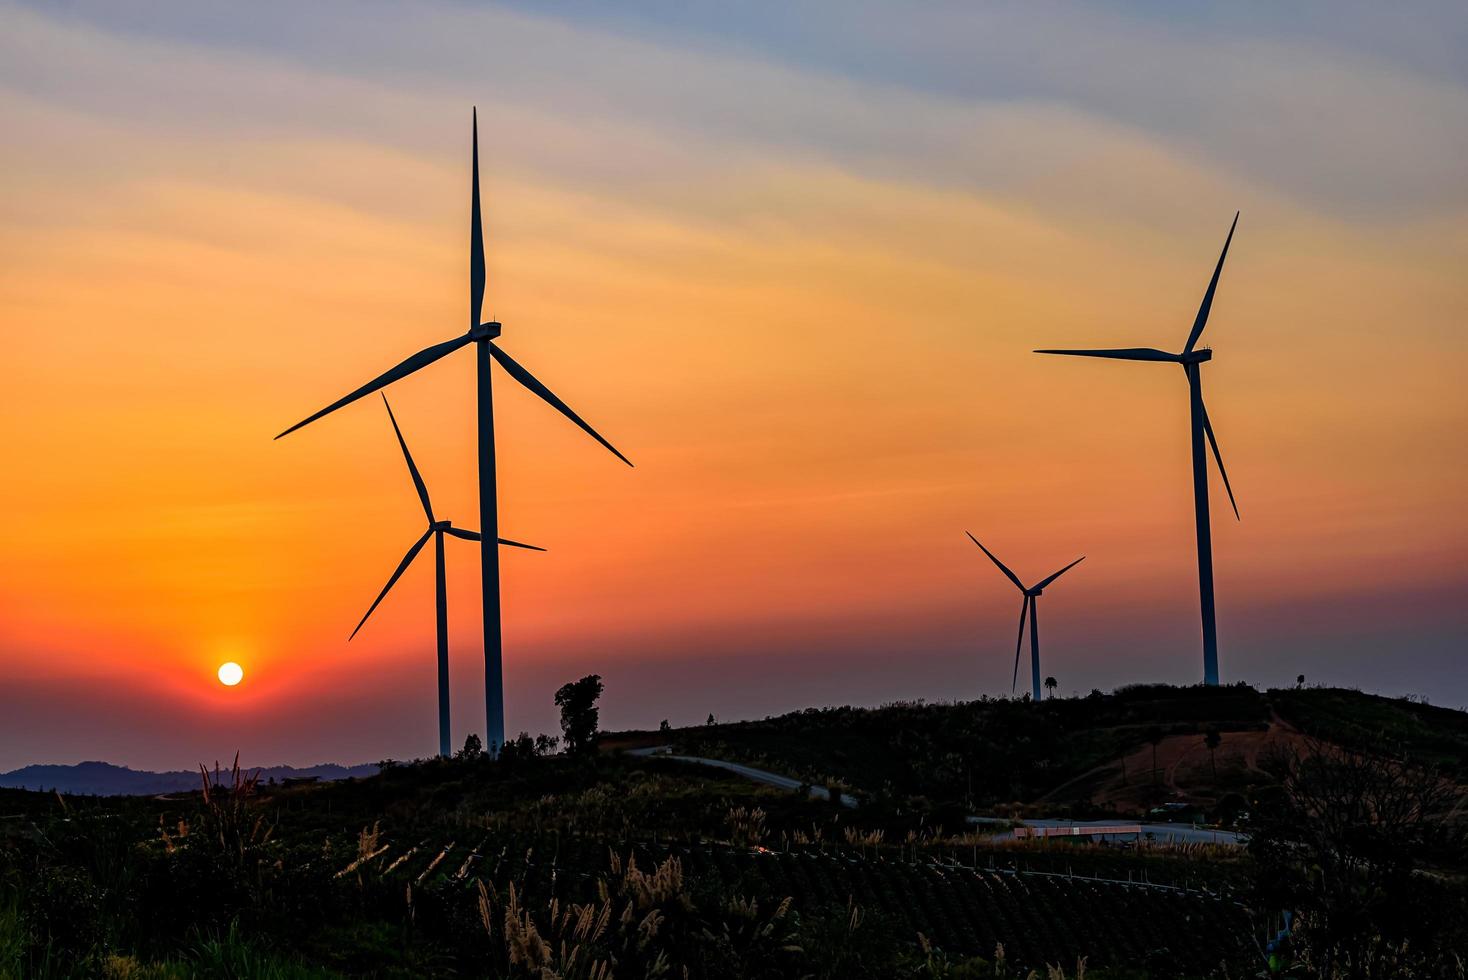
(791, 259)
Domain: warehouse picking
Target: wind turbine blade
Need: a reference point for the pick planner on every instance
(1019, 644)
(1202, 319)
(1121, 354)
(1012, 577)
(421, 359)
(529, 380)
(467, 535)
(476, 240)
(505, 542)
(1057, 575)
(397, 574)
(516, 544)
(412, 468)
(1218, 458)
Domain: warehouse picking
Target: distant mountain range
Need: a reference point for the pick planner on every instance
(105, 779)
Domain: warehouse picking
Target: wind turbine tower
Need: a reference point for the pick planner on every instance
(482, 335)
(1028, 607)
(1192, 360)
(437, 529)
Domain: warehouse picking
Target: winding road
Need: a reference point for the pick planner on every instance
(748, 772)
(1172, 833)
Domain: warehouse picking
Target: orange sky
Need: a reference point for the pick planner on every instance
(800, 298)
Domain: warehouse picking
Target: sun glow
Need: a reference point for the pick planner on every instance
(231, 674)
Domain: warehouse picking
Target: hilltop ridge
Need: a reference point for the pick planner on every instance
(1118, 752)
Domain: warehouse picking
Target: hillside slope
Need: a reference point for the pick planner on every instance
(1122, 752)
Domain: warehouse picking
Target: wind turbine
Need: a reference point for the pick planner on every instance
(1028, 606)
(481, 334)
(1192, 359)
(437, 529)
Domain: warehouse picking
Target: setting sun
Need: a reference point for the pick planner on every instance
(733, 365)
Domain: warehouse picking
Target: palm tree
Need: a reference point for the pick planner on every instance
(1213, 739)
(1050, 686)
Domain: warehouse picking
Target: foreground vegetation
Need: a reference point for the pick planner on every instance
(600, 865)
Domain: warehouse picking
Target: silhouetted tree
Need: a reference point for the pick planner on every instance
(1213, 740)
(1300, 680)
(1341, 845)
(1231, 806)
(473, 748)
(518, 749)
(1050, 686)
(664, 727)
(711, 719)
(577, 702)
(1154, 738)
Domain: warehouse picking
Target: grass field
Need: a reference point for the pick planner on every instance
(639, 866)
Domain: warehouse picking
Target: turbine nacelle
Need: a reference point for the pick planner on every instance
(1203, 439)
(1028, 610)
(482, 333)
